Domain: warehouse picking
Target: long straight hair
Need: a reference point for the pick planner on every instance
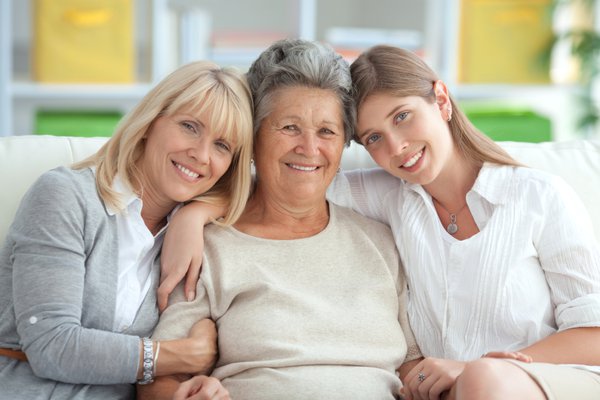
(401, 73)
(201, 87)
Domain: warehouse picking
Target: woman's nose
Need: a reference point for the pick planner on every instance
(397, 144)
(200, 152)
(309, 145)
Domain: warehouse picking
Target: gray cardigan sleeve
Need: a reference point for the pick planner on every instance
(51, 247)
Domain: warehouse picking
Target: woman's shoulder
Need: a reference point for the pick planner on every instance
(66, 177)
(524, 178)
(528, 188)
(370, 191)
(532, 179)
(61, 186)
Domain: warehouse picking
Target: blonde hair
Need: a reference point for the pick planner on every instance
(402, 73)
(201, 87)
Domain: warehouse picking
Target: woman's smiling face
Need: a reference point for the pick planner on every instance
(407, 136)
(299, 144)
(183, 158)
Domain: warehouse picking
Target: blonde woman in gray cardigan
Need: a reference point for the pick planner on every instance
(80, 268)
(308, 297)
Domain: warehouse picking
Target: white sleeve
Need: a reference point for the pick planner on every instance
(570, 258)
(365, 191)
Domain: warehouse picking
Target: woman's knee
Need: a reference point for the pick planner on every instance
(480, 376)
(489, 378)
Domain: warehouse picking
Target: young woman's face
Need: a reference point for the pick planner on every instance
(183, 158)
(407, 136)
(299, 144)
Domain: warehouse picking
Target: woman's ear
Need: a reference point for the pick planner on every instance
(442, 99)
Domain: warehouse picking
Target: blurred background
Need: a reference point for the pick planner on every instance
(523, 70)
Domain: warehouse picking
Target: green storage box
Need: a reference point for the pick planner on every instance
(509, 123)
(76, 123)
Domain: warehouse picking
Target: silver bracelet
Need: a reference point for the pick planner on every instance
(148, 362)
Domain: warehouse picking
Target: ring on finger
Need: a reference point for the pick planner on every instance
(421, 377)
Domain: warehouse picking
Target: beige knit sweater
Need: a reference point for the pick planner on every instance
(317, 318)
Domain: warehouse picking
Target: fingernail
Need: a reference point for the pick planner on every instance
(190, 296)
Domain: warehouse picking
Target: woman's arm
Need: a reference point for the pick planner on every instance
(181, 255)
(49, 262)
(570, 258)
(194, 354)
(364, 190)
(571, 346)
(49, 272)
(180, 319)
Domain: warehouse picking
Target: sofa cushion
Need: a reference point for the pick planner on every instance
(577, 162)
(24, 158)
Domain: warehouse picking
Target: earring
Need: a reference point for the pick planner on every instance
(449, 114)
(252, 161)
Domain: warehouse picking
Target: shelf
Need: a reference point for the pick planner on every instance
(43, 91)
(503, 90)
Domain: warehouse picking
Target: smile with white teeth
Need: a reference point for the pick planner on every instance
(301, 168)
(186, 171)
(413, 160)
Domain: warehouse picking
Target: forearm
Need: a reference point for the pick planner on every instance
(182, 249)
(571, 346)
(162, 388)
(78, 355)
(183, 356)
(203, 212)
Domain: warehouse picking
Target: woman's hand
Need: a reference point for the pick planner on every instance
(201, 388)
(182, 250)
(194, 355)
(513, 355)
(431, 378)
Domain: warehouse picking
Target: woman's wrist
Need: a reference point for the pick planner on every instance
(147, 368)
(185, 356)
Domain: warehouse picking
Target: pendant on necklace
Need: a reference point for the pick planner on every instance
(452, 228)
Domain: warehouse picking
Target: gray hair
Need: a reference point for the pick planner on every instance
(297, 62)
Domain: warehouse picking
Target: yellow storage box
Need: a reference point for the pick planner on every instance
(83, 41)
(504, 41)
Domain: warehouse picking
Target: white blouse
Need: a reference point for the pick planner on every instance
(532, 270)
(138, 249)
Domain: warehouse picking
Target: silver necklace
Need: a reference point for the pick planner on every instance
(452, 227)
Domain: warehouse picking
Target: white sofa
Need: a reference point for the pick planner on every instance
(24, 158)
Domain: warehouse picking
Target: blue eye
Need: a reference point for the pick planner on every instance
(372, 138)
(401, 116)
(189, 126)
(223, 145)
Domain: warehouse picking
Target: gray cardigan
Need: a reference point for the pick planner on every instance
(58, 279)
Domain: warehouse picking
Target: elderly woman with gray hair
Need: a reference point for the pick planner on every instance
(308, 297)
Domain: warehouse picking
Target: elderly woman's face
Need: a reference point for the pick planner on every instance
(299, 144)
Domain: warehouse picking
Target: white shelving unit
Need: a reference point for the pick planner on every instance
(555, 101)
(437, 20)
(6, 109)
(20, 96)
